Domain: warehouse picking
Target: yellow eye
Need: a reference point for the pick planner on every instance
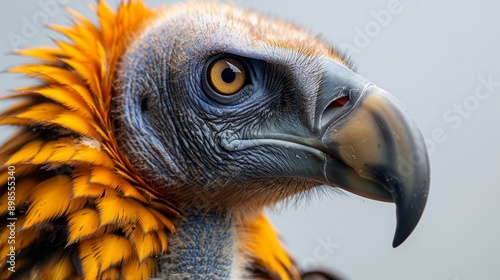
(226, 75)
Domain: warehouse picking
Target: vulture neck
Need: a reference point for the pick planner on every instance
(202, 247)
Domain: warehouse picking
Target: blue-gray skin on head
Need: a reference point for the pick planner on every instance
(184, 142)
(303, 119)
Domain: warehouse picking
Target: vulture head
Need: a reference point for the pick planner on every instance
(178, 126)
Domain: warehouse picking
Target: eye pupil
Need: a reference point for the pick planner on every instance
(228, 75)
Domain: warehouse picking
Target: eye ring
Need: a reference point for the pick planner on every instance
(226, 79)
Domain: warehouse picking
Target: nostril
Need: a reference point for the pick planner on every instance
(338, 103)
(335, 105)
(331, 110)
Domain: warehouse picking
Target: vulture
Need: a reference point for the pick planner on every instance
(154, 139)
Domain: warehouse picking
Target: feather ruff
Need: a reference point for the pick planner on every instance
(78, 200)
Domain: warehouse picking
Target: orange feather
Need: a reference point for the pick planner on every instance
(258, 236)
(70, 99)
(136, 270)
(47, 54)
(58, 267)
(100, 253)
(82, 224)
(49, 200)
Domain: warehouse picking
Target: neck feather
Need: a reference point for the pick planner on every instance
(202, 248)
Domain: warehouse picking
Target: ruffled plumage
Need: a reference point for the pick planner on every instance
(82, 211)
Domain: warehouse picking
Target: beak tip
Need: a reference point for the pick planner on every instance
(403, 231)
(408, 216)
(399, 239)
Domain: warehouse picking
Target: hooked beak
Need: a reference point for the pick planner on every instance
(354, 136)
(373, 148)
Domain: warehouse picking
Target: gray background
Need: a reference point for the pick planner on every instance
(431, 55)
